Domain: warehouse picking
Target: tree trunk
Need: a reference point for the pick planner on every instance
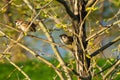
(82, 62)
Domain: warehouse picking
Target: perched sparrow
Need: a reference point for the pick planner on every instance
(24, 24)
(66, 39)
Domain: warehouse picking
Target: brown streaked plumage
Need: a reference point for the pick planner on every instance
(24, 24)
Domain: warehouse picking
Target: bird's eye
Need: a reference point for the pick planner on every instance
(64, 37)
(18, 23)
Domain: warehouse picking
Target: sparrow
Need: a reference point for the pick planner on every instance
(24, 24)
(65, 39)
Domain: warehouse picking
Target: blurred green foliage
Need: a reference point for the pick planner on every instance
(34, 69)
(39, 71)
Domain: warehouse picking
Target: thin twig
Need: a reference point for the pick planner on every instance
(12, 72)
(9, 27)
(34, 18)
(30, 6)
(105, 68)
(18, 68)
(90, 3)
(88, 13)
(50, 42)
(57, 54)
(105, 46)
(6, 5)
(110, 70)
(107, 27)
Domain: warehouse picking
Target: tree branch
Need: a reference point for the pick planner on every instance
(105, 46)
(50, 42)
(107, 27)
(29, 5)
(18, 68)
(106, 68)
(110, 70)
(69, 12)
(7, 26)
(59, 57)
(90, 3)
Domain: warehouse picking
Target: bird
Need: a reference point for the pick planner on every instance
(24, 24)
(65, 39)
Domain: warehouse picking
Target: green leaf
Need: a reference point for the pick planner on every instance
(88, 56)
(92, 8)
(118, 73)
